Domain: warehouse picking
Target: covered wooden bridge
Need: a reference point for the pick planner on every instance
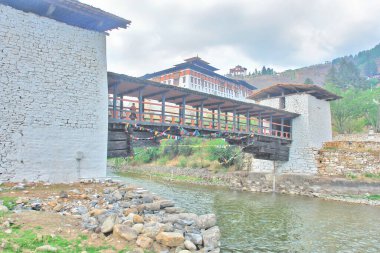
(265, 131)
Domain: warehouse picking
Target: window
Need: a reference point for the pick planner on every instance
(169, 81)
(191, 79)
(282, 103)
(184, 79)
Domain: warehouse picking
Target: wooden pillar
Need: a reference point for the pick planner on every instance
(163, 108)
(234, 119)
(201, 115)
(197, 116)
(218, 117)
(226, 118)
(114, 102)
(183, 116)
(248, 122)
(282, 127)
(121, 106)
(238, 121)
(140, 105)
(260, 124)
(213, 119)
(270, 125)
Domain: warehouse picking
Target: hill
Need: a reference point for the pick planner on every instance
(367, 61)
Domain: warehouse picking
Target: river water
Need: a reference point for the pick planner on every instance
(260, 222)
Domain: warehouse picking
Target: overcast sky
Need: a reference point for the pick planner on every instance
(282, 34)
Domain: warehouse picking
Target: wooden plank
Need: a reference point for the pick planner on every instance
(117, 145)
(116, 136)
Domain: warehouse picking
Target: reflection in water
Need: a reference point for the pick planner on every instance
(258, 222)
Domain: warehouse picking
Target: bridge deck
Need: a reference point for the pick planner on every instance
(161, 105)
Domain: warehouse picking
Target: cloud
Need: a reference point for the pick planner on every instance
(280, 34)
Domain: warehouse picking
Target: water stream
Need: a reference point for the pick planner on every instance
(258, 222)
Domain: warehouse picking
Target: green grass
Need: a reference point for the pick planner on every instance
(351, 176)
(21, 240)
(9, 202)
(374, 197)
(372, 175)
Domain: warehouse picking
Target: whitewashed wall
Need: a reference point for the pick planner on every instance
(310, 130)
(53, 86)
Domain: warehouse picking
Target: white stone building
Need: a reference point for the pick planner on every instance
(309, 130)
(199, 75)
(53, 86)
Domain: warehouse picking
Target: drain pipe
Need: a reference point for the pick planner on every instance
(274, 177)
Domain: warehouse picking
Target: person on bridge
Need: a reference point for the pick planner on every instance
(133, 116)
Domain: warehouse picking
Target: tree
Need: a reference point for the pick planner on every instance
(370, 68)
(308, 81)
(263, 71)
(346, 75)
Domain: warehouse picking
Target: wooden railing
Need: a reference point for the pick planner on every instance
(151, 112)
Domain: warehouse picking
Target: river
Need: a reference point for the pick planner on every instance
(260, 222)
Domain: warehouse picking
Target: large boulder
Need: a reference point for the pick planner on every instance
(153, 206)
(108, 224)
(197, 239)
(189, 245)
(211, 238)
(144, 242)
(124, 231)
(206, 221)
(170, 239)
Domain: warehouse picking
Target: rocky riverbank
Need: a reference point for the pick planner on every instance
(330, 188)
(112, 211)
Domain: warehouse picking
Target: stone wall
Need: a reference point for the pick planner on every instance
(53, 86)
(343, 158)
(358, 137)
(309, 131)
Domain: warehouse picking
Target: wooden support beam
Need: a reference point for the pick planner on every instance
(163, 108)
(211, 104)
(183, 116)
(202, 105)
(234, 120)
(114, 102)
(176, 97)
(213, 119)
(132, 90)
(282, 127)
(197, 116)
(248, 122)
(196, 100)
(218, 117)
(156, 93)
(121, 107)
(140, 104)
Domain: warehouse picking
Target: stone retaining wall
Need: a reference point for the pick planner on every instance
(263, 182)
(358, 137)
(343, 158)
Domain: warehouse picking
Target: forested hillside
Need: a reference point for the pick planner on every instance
(367, 62)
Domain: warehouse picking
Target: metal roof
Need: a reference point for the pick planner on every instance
(130, 86)
(289, 89)
(71, 12)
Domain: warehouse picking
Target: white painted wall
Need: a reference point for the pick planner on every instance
(53, 85)
(310, 130)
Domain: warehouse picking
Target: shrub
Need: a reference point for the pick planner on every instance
(188, 146)
(182, 162)
(169, 148)
(146, 155)
(163, 160)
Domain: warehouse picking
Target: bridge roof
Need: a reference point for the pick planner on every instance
(130, 86)
(281, 89)
(71, 12)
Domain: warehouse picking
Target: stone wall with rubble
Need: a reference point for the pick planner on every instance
(309, 131)
(53, 85)
(348, 158)
(358, 137)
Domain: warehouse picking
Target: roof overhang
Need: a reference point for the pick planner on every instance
(71, 12)
(280, 90)
(131, 86)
